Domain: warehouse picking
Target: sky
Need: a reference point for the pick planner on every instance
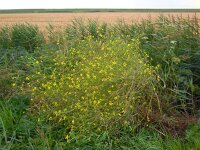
(34, 4)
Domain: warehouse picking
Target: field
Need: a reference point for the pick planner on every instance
(60, 20)
(101, 80)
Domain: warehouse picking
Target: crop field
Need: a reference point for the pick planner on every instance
(60, 20)
(100, 81)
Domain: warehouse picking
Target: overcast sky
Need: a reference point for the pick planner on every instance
(26, 4)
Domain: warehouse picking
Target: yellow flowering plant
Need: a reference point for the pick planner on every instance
(95, 86)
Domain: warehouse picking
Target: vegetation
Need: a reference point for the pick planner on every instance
(101, 86)
(92, 10)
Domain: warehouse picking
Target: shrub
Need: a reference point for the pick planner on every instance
(55, 36)
(96, 87)
(174, 44)
(5, 38)
(11, 65)
(80, 29)
(26, 36)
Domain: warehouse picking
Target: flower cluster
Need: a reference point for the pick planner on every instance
(94, 86)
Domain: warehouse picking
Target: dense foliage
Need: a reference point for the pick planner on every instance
(97, 86)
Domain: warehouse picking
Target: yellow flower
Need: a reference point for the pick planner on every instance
(27, 78)
(62, 63)
(67, 138)
(110, 103)
(114, 62)
(34, 89)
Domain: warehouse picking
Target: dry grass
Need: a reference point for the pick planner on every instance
(60, 20)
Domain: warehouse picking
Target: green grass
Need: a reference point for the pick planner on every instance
(101, 86)
(19, 131)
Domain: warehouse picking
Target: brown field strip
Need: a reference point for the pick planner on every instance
(59, 20)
